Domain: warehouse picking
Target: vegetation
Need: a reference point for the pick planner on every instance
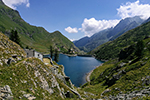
(125, 75)
(51, 51)
(14, 37)
(33, 37)
(112, 49)
(56, 55)
(30, 75)
(127, 69)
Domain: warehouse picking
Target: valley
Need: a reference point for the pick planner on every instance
(118, 59)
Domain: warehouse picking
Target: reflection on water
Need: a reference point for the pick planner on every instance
(77, 67)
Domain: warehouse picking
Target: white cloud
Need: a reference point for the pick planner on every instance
(71, 30)
(134, 9)
(92, 26)
(13, 3)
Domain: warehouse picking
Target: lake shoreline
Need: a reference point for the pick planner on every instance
(89, 74)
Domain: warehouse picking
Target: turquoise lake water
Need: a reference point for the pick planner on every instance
(77, 67)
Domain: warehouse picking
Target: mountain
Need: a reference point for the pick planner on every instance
(126, 72)
(124, 25)
(125, 77)
(109, 34)
(32, 36)
(147, 20)
(111, 49)
(81, 42)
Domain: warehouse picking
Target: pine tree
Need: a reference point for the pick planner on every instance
(15, 37)
(51, 51)
(56, 56)
(12, 37)
(139, 49)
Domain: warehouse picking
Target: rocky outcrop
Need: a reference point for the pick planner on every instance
(10, 51)
(5, 93)
(31, 78)
(129, 96)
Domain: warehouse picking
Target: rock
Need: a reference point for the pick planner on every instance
(10, 98)
(10, 60)
(5, 93)
(8, 89)
(122, 64)
(14, 56)
(56, 66)
(29, 96)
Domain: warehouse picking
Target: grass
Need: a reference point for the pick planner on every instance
(32, 36)
(135, 71)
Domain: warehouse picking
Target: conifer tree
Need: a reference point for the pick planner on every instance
(56, 55)
(139, 49)
(51, 51)
(15, 37)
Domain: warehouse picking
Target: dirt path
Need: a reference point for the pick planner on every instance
(89, 74)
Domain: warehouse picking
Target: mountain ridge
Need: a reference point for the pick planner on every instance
(32, 36)
(110, 34)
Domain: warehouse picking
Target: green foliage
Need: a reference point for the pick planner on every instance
(15, 37)
(139, 49)
(125, 74)
(112, 49)
(56, 55)
(32, 36)
(51, 51)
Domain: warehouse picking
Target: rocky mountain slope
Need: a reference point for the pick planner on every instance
(29, 78)
(109, 34)
(32, 36)
(111, 49)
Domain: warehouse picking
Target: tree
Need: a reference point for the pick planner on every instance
(51, 51)
(56, 55)
(15, 37)
(139, 49)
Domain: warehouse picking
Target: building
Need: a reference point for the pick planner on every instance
(33, 53)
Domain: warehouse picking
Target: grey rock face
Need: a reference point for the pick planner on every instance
(6, 93)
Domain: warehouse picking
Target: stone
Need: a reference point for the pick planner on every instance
(10, 60)
(5, 93)
(56, 66)
(2, 95)
(8, 89)
(29, 96)
(122, 64)
(10, 98)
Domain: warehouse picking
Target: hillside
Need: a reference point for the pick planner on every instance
(108, 34)
(126, 77)
(111, 49)
(29, 78)
(32, 36)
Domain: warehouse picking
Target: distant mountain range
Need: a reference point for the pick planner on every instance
(89, 43)
(111, 49)
(32, 36)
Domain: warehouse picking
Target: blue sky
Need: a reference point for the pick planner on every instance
(78, 18)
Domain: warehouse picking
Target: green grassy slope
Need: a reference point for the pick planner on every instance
(30, 76)
(128, 76)
(127, 72)
(111, 49)
(32, 36)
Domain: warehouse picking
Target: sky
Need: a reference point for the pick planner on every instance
(76, 19)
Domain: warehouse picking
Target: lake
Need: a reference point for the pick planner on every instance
(77, 67)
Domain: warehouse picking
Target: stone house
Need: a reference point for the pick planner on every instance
(33, 53)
